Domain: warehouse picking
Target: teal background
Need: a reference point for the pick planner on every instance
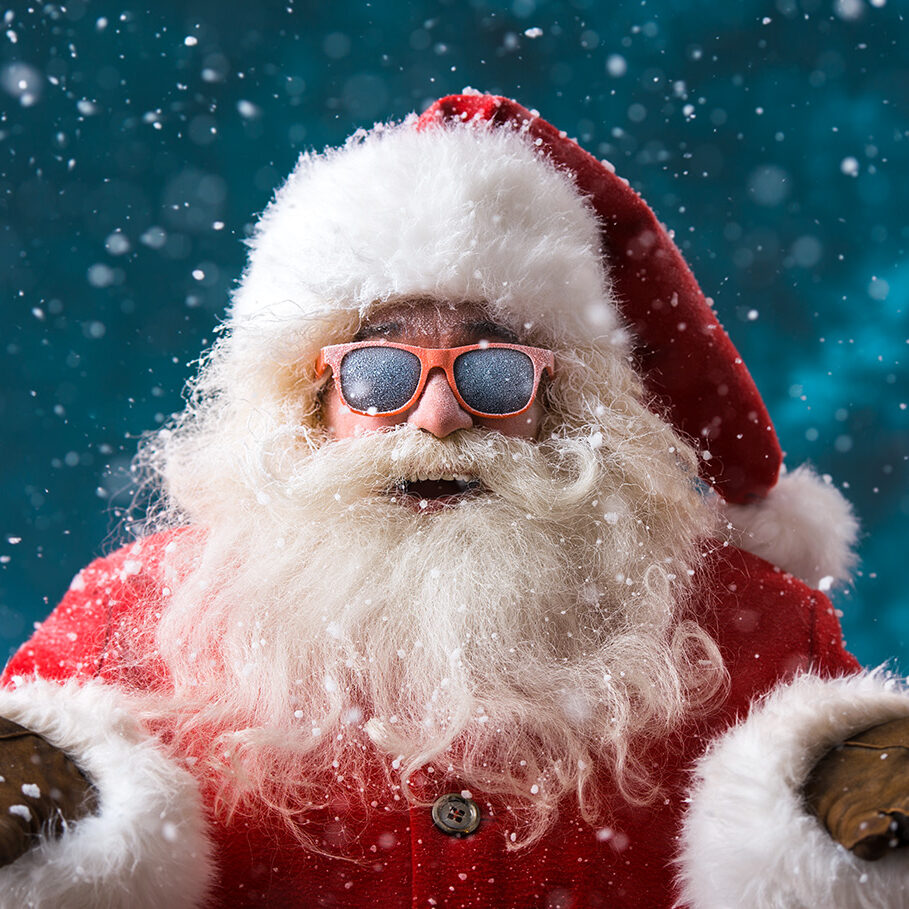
(137, 144)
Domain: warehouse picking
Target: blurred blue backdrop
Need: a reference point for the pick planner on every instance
(139, 141)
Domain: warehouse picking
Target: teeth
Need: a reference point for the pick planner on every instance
(464, 483)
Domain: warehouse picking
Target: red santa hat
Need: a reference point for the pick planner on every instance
(481, 199)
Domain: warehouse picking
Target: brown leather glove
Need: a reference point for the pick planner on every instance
(40, 790)
(860, 790)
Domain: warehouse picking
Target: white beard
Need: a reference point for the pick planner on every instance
(522, 639)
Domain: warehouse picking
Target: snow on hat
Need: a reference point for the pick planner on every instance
(481, 199)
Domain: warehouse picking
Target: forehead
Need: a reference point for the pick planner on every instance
(431, 318)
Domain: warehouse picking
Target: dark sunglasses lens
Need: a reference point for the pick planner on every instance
(496, 380)
(379, 379)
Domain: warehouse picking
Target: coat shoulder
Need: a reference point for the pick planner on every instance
(769, 625)
(75, 640)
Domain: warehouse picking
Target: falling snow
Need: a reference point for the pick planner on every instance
(137, 146)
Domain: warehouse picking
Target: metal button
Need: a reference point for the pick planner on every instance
(455, 815)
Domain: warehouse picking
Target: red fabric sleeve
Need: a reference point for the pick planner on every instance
(75, 640)
(71, 641)
(769, 626)
(829, 655)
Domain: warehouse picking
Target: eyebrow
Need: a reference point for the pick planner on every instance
(377, 329)
(482, 328)
(500, 332)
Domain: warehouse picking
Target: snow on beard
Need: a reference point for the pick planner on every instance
(547, 605)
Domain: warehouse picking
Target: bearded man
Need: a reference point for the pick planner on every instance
(438, 602)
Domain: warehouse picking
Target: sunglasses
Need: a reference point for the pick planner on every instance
(489, 379)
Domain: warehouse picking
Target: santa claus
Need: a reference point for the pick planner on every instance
(439, 600)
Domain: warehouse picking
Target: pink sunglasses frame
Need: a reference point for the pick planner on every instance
(431, 358)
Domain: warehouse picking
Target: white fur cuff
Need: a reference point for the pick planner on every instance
(147, 846)
(748, 840)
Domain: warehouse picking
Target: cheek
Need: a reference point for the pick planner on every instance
(523, 426)
(343, 423)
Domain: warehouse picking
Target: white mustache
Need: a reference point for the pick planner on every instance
(555, 471)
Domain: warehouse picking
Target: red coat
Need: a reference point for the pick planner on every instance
(768, 625)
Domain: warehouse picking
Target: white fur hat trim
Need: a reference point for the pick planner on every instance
(450, 214)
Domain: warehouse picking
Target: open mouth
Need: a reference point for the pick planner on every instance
(428, 494)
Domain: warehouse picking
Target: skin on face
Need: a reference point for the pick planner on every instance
(426, 323)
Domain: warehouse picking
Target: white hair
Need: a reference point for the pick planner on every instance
(526, 640)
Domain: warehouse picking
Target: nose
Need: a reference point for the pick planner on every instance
(437, 409)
